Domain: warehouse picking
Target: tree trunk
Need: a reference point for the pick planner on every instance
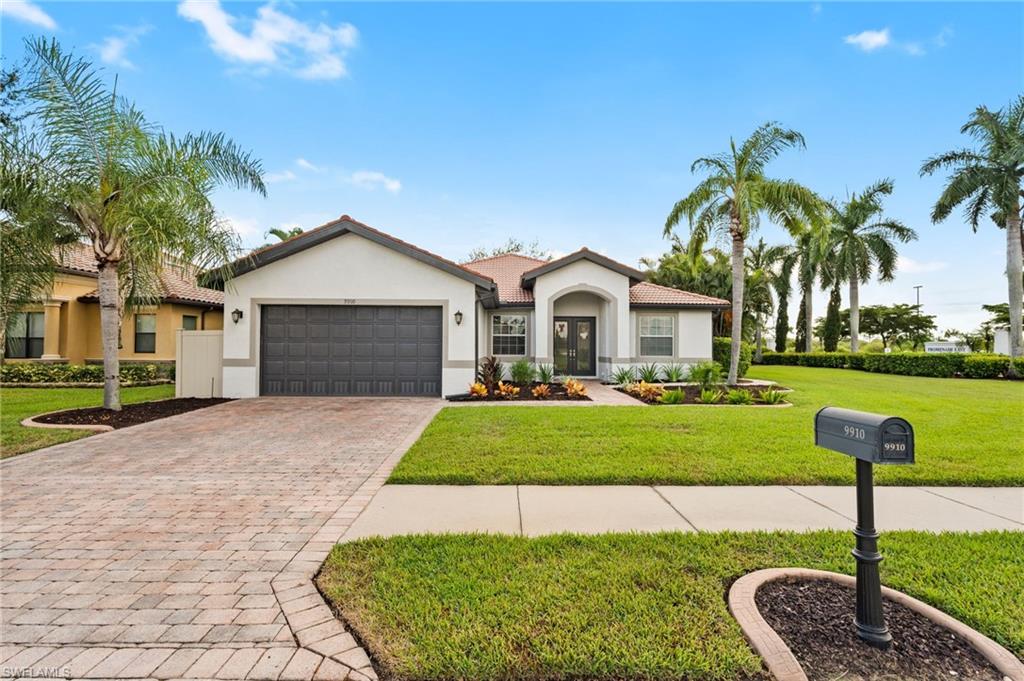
(854, 314)
(758, 351)
(737, 304)
(809, 318)
(110, 323)
(1016, 286)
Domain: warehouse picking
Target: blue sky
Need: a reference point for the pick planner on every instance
(456, 125)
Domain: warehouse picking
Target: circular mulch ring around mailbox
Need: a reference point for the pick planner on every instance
(801, 622)
(100, 419)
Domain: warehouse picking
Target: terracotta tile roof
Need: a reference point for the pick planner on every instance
(175, 282)
(507, 272)
(646, 293)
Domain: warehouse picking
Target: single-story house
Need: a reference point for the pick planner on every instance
(345, 309)
(64, 326)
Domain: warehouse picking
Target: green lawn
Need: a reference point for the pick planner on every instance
(627, 606)
(18, 403)
(969, 432)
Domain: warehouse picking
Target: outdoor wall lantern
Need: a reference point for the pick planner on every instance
(458, 317)
(236, 315)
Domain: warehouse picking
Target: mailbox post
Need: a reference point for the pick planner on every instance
(870, 439)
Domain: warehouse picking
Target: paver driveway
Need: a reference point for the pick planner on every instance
(185, 547)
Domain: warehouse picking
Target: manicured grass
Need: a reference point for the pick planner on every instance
(19, 403)
(968, 432)
(627, 606)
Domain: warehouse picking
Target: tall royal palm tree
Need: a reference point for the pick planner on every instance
(138, 195)
(731, 201)
(811, 242)
(988, 180)
(861, 242)
(764, 268)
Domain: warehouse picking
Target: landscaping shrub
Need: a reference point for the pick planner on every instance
(721, 352)
(32, 372)
(490, 372)
(649, 373)
(706, 374)
(935, 365)
(542, 391)
(545, 373)
(624, 376)
(507, 390)
(477, 390)
(672, 397)
(771, 396)
(522, 372)
(739, 396)
(575, 388)
(710, 396)
(673, 373)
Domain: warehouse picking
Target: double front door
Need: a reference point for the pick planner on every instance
(575, 346)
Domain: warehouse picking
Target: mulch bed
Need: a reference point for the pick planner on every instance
(692, 392)
(815, 619)
(130, 414)
(557, 394)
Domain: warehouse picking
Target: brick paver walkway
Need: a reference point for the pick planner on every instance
(185, 548)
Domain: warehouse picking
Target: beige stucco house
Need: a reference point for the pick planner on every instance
(345, 309)
(65, 325)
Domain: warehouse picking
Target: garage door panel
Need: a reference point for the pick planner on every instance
(350, 350)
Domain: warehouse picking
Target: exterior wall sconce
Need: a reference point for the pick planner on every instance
(458, 317)
(236, 315)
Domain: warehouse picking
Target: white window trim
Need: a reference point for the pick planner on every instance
(525, 335)
(640, 335)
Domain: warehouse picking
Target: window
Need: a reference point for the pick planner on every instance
(25, 335)
(656, 336)
(189, 322)
(508, 334)
(145, 333)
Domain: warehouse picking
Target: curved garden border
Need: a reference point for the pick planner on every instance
(30, 422)
(784, 666)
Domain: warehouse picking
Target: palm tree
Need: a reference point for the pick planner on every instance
(862, 241)
(731, 201)
(812, 241)
(284, 234)
(138, 195)
(988, 181)
(763, 270)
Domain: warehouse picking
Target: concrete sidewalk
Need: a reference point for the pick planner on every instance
(537, 510)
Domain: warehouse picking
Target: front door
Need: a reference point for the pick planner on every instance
(575, 346)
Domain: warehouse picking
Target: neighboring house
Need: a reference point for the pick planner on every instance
(345, 309)
(66, 325)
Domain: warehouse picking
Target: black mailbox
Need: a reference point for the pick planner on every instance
(869, 437)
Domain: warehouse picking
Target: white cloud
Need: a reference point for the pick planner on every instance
(284, 176)
(910, 266)
(306, 165)
(869, 41)
(27, 11)
(275, 39)
(371, 179)
(243, 227)
(113, 48)
(941, 39)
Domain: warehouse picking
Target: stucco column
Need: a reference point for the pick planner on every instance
(51, 329)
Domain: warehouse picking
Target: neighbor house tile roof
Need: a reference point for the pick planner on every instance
(507, 271)
(175, 283)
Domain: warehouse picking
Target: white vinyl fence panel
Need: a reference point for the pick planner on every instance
(199, 358)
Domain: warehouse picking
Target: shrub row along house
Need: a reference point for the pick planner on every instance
(345, 309)
(65, 325)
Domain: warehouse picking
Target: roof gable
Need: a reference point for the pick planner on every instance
(346, 225)
(584, 253)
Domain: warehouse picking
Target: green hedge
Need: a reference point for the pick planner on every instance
(938, 365)
(721, 352)
(32, 372)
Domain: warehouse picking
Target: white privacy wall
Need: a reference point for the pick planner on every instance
(347, 270)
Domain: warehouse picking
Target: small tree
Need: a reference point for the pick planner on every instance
(512, 247)
(833, 327)
(95, 168)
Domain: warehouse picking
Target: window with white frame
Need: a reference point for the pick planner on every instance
(508, 334)
(656, 336)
